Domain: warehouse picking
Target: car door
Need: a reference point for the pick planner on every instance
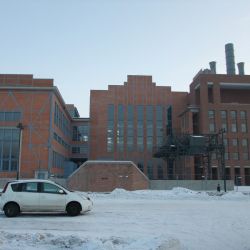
(28, 196)
(52, 198)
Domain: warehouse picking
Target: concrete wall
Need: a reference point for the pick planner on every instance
(190, 184)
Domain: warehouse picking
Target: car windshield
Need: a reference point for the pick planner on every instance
(60, 185)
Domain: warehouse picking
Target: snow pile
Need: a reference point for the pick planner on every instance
(174, 194)
(232, 195)
(42, 241)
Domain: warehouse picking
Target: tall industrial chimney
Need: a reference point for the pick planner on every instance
(241, 68)
(229, 48)
(213, 67)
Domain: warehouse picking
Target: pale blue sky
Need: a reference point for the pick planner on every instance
(87, 45)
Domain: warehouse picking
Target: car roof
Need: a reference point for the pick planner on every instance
(32, 180)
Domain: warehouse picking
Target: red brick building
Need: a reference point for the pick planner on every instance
(46, 127)
(128, 121)
(218, 101)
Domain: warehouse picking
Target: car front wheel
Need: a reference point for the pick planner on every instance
(73, 209)
(11, 210)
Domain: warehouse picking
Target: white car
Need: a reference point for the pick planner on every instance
(41, 196)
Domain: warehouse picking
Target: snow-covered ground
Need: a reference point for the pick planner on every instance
(147, 219)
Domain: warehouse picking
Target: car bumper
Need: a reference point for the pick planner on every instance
(87, 206)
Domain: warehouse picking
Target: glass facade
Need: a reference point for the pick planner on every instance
(159, 125)
(110, 128)
(150, 127)
(58, 160)
(61, 121)
(211, 119)
(130, 128)
(9, 149)
(120, 129)
(81, 133)
(140, 128)
(10, 116)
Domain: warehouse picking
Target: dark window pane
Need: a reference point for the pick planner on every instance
(120, 112)
(5, 165)
(7, 134)
(130, 113)
(233, 114)
(110, 112)
(16, 116)
(15, 134)
(6, 149)
(140, 113)
(223, 114)
(159, 113)
(1, 134)
(13, 166)
(149, 113)
(243, 115)
(14, 150)
(8, 116)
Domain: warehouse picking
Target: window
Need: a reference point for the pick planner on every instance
(223, 114)
(233, 114)
(211, 117)
(244, 142)
(18, 187)
(235, 156)
(50, 188)
(225, 142)
(243, 127)
(81, 133)
(226, 155)
(150, 170)
(10, 116)
(235, 142)
(120, 129)
(160, 171)
(245, 156)
(110, 128)
(211, 127)
(233, 127)
(130, 144)
(211, 114)
(159, 125)
(130, 128)
(243, 115)
(61, 121)
(140, 130)
(31, 187)
(9, 149)
(140, 166)
(224, 126)
(58, 160)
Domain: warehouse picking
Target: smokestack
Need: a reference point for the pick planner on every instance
(213, 67)
(229, 48)
(241, 68)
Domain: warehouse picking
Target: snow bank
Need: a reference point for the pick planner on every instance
(42, 241)
(176, 194)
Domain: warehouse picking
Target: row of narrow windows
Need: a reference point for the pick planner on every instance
(155, 118)
(233, 121)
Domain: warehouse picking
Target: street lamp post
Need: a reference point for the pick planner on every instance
(20, 126)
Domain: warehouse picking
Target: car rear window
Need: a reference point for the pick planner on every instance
(17, 187)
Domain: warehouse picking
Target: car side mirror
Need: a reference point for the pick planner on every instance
(61, 191)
